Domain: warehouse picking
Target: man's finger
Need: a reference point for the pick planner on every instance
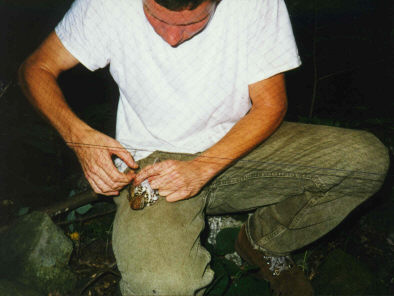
(130, 176)
(160, 181)
(94, 186)
(98, 190)
(111, 174)
(175, 196)
(117, 177)
(100, 183)
(165, 192)
(105, 188)
(146, 172)
(107, 177)
(126, 157)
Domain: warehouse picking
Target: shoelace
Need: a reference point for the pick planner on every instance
(278, 264)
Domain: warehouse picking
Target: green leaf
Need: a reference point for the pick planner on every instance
(218, 286)
(71, 216)
(221, 280)
(231, 268)
(248, 285)
(23, 211)
(84, 209)
(225, 241)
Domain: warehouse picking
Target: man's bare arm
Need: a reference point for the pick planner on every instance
(38, 78)
(38, 75)
(268, 110)
(178, 180)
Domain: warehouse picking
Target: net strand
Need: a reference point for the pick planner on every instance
(132, 150)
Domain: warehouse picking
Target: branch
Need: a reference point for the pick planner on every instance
(97, 276)
(90, 217)
(315, 70)
(70, 203)
(3, 87)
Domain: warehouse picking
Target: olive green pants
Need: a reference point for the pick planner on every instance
(301, 182)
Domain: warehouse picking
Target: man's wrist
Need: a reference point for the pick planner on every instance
(210, 166)
(77, 134)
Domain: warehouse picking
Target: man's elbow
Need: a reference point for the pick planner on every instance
(279, 107)
(29, 74)
(282, 109)
(24, 69)
(30, 69)
(22, 74)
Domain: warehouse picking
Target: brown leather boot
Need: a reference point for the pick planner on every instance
(284, 277)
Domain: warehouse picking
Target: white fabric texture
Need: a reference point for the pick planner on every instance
(182, 99)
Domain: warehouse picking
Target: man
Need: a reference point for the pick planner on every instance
(202, 80)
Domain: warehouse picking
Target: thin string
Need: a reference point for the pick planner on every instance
(239, 161)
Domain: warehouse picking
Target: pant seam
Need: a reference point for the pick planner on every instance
(258, 246)
(256, 175)
(297, 218)
(210, 196)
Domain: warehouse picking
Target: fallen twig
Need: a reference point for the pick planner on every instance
(83, 219)
(70, 203)
(3, 87)
(99, 275)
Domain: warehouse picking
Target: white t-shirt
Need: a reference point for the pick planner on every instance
(182, 99)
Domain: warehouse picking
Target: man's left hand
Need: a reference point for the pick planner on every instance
(175, 180)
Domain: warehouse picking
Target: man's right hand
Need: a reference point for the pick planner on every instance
(94, 151)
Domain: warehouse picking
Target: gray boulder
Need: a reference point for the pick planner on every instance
(35, 252)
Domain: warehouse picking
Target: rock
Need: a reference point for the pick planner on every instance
(13, 288)
(234, 257)
(217, 223)
(223, 231)
(35, 252)
(343, 274)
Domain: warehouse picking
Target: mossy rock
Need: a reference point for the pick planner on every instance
(36, 253)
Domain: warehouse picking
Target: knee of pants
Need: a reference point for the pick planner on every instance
(354, 158)
(365, 153)
(158, 250)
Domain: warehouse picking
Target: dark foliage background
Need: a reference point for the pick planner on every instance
(346, 80)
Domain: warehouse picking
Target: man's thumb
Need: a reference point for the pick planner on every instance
(125, 160)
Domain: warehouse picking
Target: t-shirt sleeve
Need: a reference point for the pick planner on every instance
(271, 45)
(84, 32)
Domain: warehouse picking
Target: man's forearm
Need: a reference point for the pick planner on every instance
(41, 88)
(249, 132)
(267, 113)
